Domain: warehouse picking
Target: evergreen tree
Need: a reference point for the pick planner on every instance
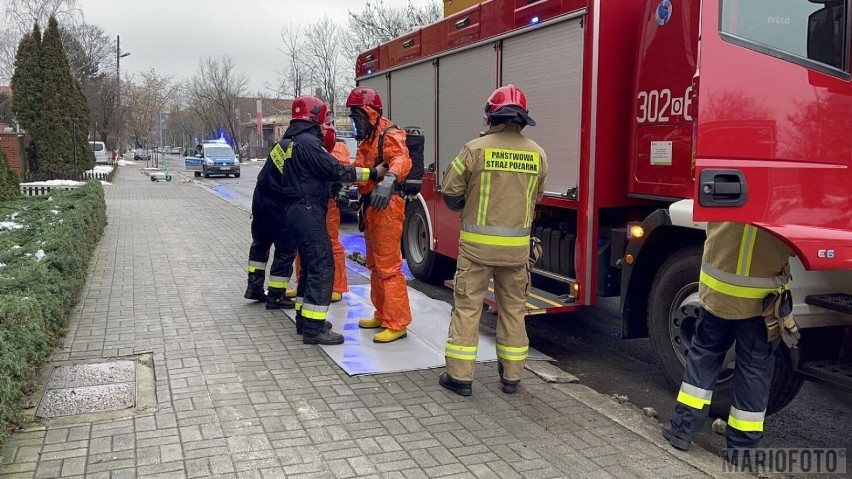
(10, 186)
(27, 79)
(27, 84)
(55, 127)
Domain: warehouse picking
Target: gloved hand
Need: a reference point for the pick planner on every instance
(342, 198)
(381, 196)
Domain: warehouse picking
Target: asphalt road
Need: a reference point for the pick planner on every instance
(588, 345)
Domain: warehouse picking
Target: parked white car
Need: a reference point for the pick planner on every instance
(101, 154)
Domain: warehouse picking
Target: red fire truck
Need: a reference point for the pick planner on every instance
(656, 116)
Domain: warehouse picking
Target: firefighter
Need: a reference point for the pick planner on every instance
(744, 300)
(339, 199)
(383, 213)
(268, 228)
(499, 169)
(308, 171)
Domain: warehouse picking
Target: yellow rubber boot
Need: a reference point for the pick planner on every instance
(370, 323)
(389, 335)
(290, 293)
(336, 297)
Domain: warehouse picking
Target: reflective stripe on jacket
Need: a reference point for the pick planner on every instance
(742, 264)
(501, 177)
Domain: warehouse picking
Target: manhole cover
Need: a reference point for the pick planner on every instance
(89, 388)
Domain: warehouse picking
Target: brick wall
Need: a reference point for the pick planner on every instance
(12, 143)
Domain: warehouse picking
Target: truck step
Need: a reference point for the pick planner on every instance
(538, 301)
(839, 302)
(837, 373)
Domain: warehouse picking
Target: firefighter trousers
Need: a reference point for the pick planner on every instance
(268, 228)
(332, 222)
(306, 218)
(755, 362)
(511, 285)
(388, 290)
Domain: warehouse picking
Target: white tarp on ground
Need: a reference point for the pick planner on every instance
(422, 349)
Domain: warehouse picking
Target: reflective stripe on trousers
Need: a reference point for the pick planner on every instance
(256, 266)
(312, 311)
(278, 282)
(510, 353)
(462, 353)
(746, 421)
(694, 396)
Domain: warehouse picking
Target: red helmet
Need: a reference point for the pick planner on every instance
(329, 133)
(512, 97)
(309, 108)
(362, 96)
(506, 96)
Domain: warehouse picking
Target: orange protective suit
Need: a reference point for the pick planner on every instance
(332, 222)
(383, 228)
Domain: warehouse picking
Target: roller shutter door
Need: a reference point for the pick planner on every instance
(547, 65)
(413, 100)
(465, 81)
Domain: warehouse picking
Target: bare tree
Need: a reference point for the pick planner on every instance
(325, 60)
(145, 100)
(212, 95)
(293, 77)
(102, 98)
(90, 51)
(18, 19)
(378, 23)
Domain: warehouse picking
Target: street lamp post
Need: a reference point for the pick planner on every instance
(118, 57)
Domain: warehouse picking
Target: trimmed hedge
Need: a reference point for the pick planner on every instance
(45, 247)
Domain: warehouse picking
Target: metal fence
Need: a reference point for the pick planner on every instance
(30, 177)
(31, 190)
(46, 176)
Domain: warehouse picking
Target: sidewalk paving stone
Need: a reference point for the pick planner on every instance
(239, 395)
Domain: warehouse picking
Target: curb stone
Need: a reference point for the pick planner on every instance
(697, 457)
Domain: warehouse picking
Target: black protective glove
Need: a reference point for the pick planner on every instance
(381, 196)
(342, 198)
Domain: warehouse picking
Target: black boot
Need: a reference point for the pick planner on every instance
(300, 324)
(276, 300)
(676, 439)
(509, 387)
(325, 337)
(315, 332)
(462, 388)
(255, 286)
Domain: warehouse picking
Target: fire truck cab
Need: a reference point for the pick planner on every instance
(657, 117)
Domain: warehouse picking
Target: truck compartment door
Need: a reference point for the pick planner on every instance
(547, 64)
(413, 99)
(465, 81)
(773, 144)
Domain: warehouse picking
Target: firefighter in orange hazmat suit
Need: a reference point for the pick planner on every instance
(339, 199)
(384, 215)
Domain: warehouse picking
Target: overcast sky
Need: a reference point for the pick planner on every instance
(172, 35)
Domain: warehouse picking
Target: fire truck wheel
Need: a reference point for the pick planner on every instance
(672, 314)
(425, 264)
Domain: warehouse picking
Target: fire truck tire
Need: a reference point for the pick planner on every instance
(425, 264)
(677, 282)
